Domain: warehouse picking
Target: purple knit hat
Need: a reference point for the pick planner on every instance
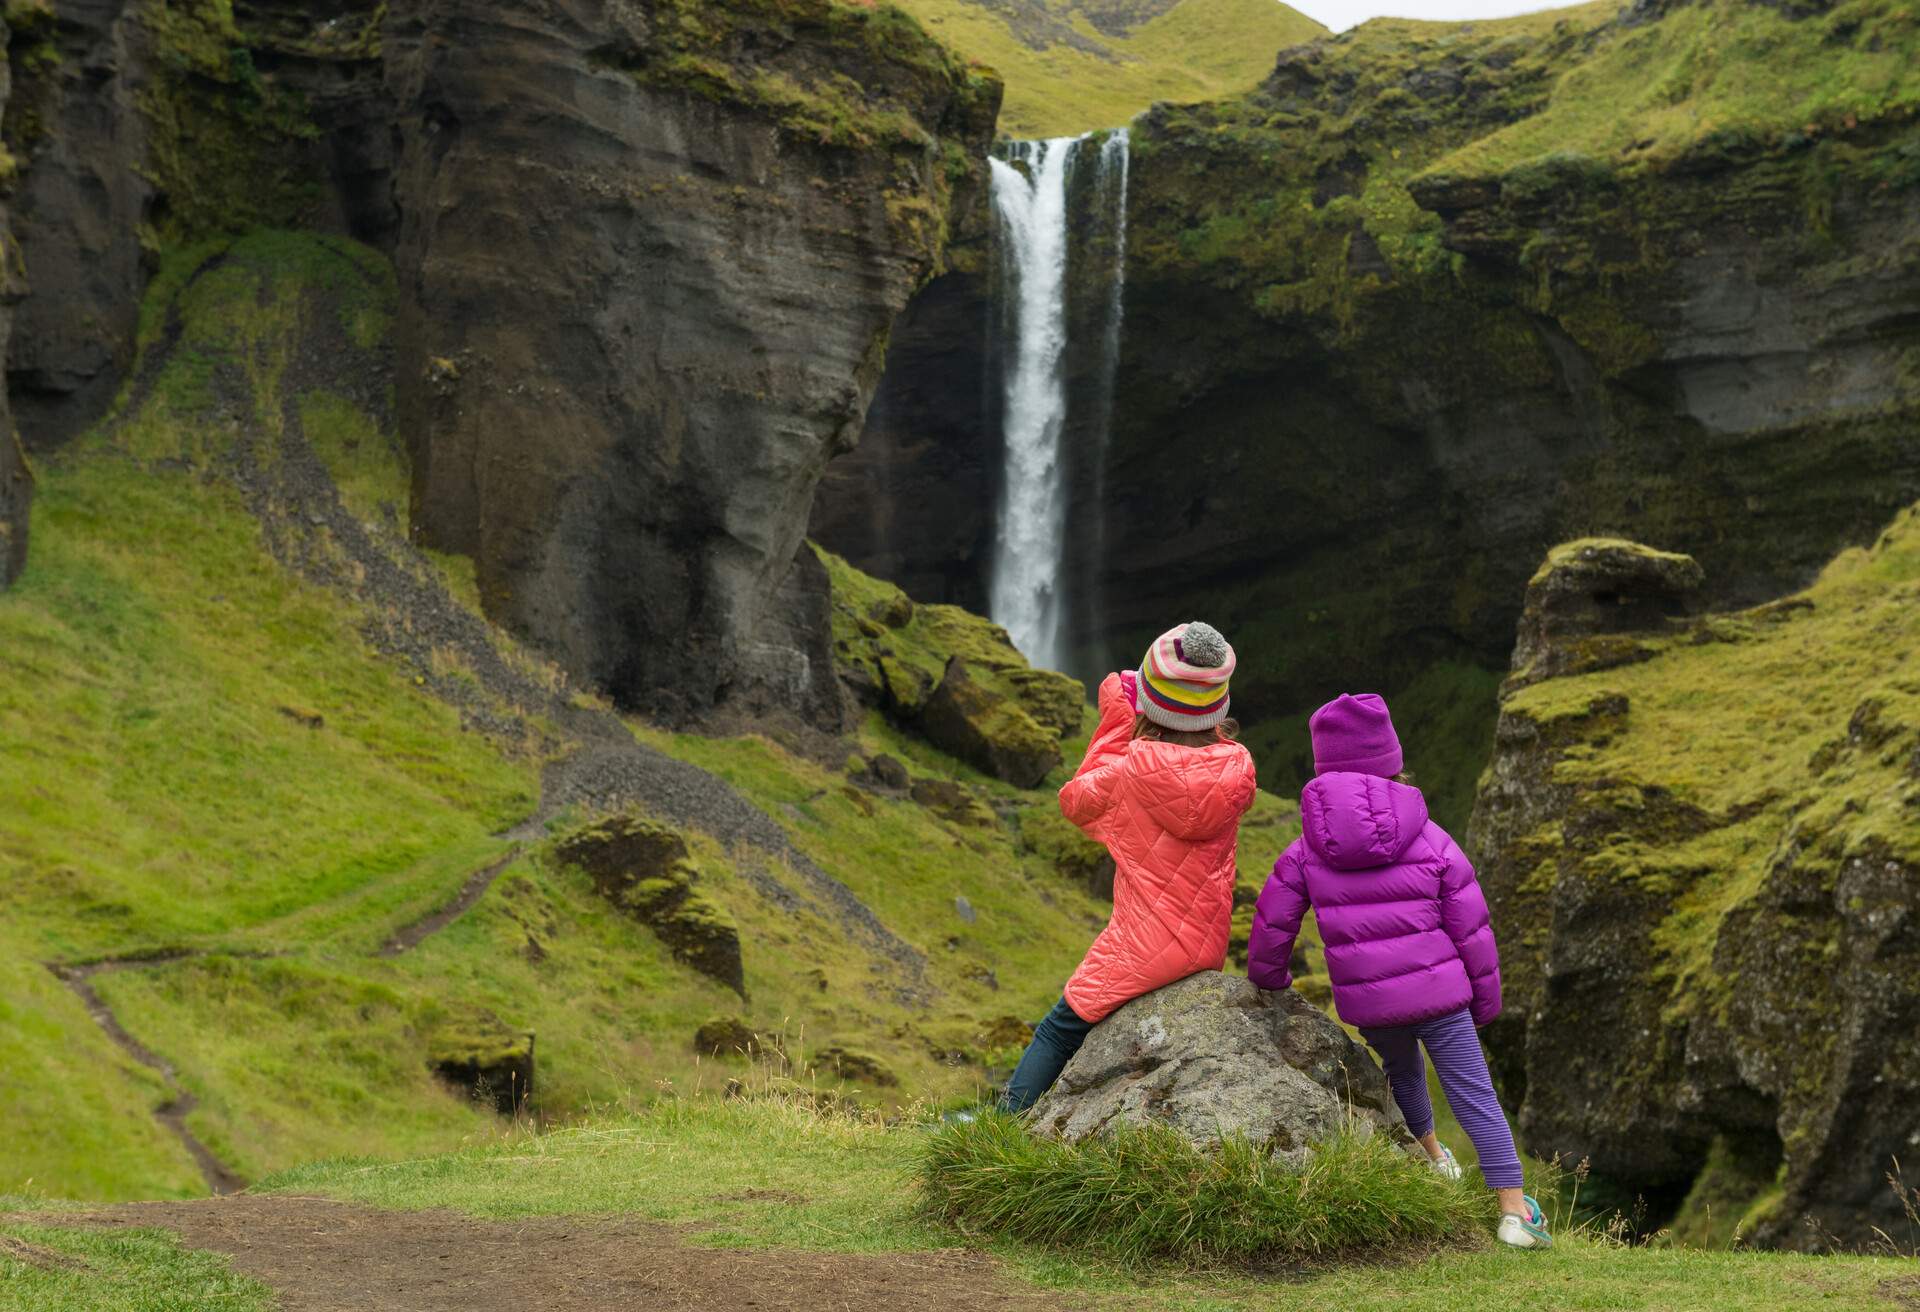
(1354, 733)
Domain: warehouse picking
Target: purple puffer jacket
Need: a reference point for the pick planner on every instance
(1402, 917)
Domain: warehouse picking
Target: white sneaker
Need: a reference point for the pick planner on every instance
(1446, 1164)
(1528, 1231)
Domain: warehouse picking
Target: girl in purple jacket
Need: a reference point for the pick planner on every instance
(1408, 944)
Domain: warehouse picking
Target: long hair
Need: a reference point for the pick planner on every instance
(1227, 731)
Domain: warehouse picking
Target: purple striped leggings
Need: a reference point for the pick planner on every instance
(1455, 1048)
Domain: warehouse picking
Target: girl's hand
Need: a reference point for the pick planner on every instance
(1129, 684)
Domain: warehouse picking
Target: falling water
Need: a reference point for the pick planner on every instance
(1030, 206)
(1026, 591)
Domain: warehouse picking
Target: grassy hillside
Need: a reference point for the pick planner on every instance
(1072, 68)
(248, 736)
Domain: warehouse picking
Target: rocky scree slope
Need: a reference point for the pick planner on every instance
(648, 257)
(1436, 296)
(1700, 834)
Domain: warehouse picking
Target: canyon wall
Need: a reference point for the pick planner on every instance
(1700, 832)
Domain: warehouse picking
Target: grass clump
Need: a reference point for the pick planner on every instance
(1144, 1194)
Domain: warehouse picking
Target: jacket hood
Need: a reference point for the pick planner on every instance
(1359, 821)
(1191, 792)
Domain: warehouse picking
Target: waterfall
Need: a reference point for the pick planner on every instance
(1030, 209)
(1030, 191)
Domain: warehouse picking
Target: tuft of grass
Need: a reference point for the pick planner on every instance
(1144, 1194)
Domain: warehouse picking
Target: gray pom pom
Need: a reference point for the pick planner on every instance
(1202, 645)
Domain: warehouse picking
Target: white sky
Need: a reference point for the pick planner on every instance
(1342, 14)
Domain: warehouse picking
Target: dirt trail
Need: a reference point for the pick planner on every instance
(221, 1178)
(323, 1256)
(471, 891)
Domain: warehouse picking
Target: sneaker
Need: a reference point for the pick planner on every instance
(1445, 1163)
(1529, 1231)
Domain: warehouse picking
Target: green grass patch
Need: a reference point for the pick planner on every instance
(1144, 1193)
(1065, 76)
(45, 1269)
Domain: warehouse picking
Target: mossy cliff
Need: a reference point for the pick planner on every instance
(1701, 838)
(1436, 296)
(648, 257)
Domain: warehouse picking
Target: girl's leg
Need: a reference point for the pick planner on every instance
(1055, 1039)
(1454, 1046)
(1399, 1053)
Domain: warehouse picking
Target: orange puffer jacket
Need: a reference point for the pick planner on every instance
(1171, 817)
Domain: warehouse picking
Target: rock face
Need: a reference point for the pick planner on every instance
(1213, 1056)
(649, 263)
(1395, 374)
(141, 126)
(76, 123)
(1701, 842)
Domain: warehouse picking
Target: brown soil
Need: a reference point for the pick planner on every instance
(324, 1256)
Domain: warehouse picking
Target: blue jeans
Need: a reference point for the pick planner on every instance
(1055, 1039)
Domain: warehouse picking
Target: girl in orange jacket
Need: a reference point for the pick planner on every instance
(1164, 786)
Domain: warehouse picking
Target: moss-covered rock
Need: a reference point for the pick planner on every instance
(485, 1060)
(646, 868)
(950, 676)
(1588, 601)
(1061, 844)
(1705, 872)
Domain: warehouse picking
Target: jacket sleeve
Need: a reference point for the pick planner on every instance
(1276, 924)
(1463, 914)
(1088, 796)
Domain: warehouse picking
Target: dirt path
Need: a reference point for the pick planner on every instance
(471, 891)
(324, 1256)
(172, 1114)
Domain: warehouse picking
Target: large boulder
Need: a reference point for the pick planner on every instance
(1214, 1057)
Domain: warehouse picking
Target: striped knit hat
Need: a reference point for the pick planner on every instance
(1183, 680)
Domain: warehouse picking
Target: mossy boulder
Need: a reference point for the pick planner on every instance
(730, 1036)
(987, 729)
(486, 1060)
(645, 868)
(1704, 867)
(853, 1065)
(1589, 601)
(951, 677)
